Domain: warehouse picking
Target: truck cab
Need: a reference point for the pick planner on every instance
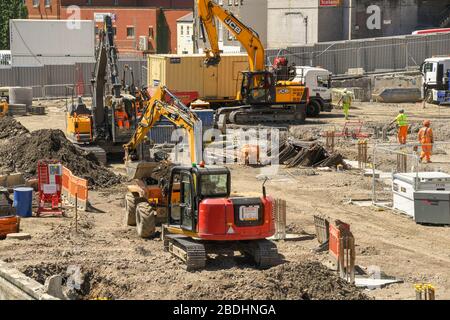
(435, 76)
(318, 81)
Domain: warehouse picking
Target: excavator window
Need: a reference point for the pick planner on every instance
(214, 185)
(257, 87)
(187, 209)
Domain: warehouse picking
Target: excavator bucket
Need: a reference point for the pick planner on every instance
(140, 169)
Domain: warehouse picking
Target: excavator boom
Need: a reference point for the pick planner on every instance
(177, 113)
(208, 11)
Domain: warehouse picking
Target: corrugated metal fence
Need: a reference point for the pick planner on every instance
(59, 80)
(377, 54)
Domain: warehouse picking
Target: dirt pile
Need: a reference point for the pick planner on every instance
(10, 128)
(22, 153)
(290, 281)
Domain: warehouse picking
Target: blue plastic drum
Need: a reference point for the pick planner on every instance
(23, 201)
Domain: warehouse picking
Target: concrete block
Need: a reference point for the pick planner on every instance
(12, 180)
(18, 236)
(398, 95)
(53, 287)
(14, 285)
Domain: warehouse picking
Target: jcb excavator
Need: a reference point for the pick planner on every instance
(261, 98)
(114, 114)
(194, 206)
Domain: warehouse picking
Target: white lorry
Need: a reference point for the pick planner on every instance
(436, 84)
(318, 81)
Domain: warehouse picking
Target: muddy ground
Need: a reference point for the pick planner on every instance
(116, 264)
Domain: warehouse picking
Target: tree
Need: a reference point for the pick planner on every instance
(10, 9)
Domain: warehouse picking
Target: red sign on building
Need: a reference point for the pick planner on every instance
(330, 3)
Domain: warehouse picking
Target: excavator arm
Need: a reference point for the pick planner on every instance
(177, 113)
(105, 66)
(208, 11)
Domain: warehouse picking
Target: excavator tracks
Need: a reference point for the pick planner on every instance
(188, 250)
(249, 115)
(264, 252)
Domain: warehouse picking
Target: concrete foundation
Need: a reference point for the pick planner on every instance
(14, 285)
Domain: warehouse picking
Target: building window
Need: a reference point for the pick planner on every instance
(89, 2)
(115, 31)
(130, 32)
(48, 3)
(230, 2)
(182, 30)
(188, 30)
(35, 3)
(151, 32)
(116, 2)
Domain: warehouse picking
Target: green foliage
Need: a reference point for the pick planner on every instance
(10, 9)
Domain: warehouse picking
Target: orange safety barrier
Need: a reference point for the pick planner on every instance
(336, 232)
(9, 225)
(75, 190)
(342, 248)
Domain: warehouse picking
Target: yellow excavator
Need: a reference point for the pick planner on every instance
(145, 194)
(104, 128)
(261, 98)
(163, 104)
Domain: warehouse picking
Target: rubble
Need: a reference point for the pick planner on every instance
(22, 152)
(304, 154)
(290, 281)
(10, 128)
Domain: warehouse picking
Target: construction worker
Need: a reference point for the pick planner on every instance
(346, 100)
(402, 123)
(426, 139)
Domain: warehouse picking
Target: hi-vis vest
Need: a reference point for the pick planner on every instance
(402, 120)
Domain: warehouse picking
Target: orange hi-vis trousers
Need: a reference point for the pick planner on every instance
(426, 139)
(402, 134)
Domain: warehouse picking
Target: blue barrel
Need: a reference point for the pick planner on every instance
(23, 201)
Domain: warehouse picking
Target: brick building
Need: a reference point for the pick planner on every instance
(141, 26)
(43, 9)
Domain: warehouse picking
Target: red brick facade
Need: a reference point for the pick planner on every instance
(132, 19)
(42, 9)
(167, 4)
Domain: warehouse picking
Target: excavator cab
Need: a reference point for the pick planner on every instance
(258, 87)
(194, 184)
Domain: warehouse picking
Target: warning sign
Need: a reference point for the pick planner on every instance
(330, 3)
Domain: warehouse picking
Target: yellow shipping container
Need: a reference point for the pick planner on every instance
(187, 74)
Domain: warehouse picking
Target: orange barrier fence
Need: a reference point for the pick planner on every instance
(342, 248)
(74, 189)
(9, 225)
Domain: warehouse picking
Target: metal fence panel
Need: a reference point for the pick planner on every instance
(58, 80)
(391, 53)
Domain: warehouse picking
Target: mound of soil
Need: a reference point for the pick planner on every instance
(22, 153)
(290, 281)
(10, 128)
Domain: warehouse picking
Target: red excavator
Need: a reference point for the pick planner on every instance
(203, 218)
(194, 205)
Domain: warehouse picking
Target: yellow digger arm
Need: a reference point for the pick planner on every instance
(177, 113)
(207, 12)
